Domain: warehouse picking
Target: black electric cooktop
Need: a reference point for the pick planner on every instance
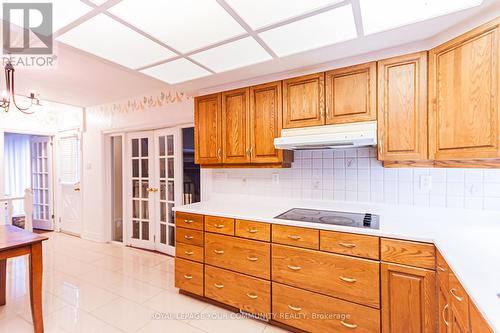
(358, 220)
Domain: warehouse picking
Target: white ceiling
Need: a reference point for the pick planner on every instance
(195, 44)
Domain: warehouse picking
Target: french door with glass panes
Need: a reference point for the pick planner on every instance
(41, 182)
(155, 189)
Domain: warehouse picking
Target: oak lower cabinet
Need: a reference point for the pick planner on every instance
(408, 299)
(464, 96)
(443, 310)
(318, 313)
(207, 129)
(402, 108)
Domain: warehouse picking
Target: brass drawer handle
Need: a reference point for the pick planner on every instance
(188, 277)
(189, 253)
(348, 325)
(348, 245)
(294, 237)
(252, 258)
(219, 251)
(252, 230)
(252, 296)
(453, 292)
(445, 309)
(294, 308)
(294, 268)
(219, 226)
(188, 221)
(349, 280)
(218, 286)
(441, 269)
(188, 237)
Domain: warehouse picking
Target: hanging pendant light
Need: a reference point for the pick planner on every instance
(9, 95)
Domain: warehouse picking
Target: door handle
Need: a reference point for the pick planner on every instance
(76, 189)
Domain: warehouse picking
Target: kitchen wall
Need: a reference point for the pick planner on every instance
(356, 175)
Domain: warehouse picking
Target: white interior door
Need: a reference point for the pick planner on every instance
(141, 213)
(168, 146)
(69, 183)
(41, 182)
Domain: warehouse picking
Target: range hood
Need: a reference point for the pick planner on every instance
(351, 135)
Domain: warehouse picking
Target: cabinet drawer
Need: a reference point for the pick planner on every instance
(459, 300)
(301, 237)
(188, 251)
(189, 236)
(318, 313)
(241, 291)
(190, 221)
(408, 253)
(352, 279)
(443, 271)
(253, 230)
(350, 244)
(240, 255)
(189, 276)
(219, 225)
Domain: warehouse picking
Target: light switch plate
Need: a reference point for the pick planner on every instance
(425, 183)
(276, 178)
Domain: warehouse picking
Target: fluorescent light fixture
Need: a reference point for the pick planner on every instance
(185, 25)
(259, 15)
(176, 71)
(233, 55)
(63, 11)
(381, 15)
(113, 41)
(331, 27)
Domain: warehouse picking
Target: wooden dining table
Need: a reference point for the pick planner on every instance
(15, 242)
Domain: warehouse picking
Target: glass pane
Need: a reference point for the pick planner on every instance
(135, 168)
(171, 213)
(135, 209)
(162, 145)
(163, 190)
(144, 168)
(170, 145)
(162, 168)
(40, 181)
(46, 181)
(46, 213)
(144, 189)
(163, 234)
(135, 189)
(145, 230)
(170, 190)
(170, 168)
(163, 213)
(144, 147)
(45, 165)
(171, 236)
(135, 229)
(135, 147)
(145, 210)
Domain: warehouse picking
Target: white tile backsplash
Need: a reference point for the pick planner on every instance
(356, 175)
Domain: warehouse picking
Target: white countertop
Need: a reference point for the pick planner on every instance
(468, 239)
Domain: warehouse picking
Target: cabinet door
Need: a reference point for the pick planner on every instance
(265, 122)
(477, 322)
(402, 108)
(408, 299)
(303, 101)
(235, 126)
(207, 125)
(456, 325)
(463, 96)
(351, 94)
(443, 311)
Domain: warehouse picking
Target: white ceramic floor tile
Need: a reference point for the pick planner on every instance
(217, 320)
(124, 314)
(74, 320)
(179, 306)
(156, 326)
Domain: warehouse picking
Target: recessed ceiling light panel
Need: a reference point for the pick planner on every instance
(237, 54)
(383, 15)
(176, 71)
(113, 41)
(331, 27)
(273, 11)
(185, 25)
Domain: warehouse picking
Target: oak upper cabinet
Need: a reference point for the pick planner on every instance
(207, 120)
(303, 101)
(463, 96)
(235, 126)
(402, 108)
(351, 94)
(265, 122)
(408, 299)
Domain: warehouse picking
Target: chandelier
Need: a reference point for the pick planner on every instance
(8, 97)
